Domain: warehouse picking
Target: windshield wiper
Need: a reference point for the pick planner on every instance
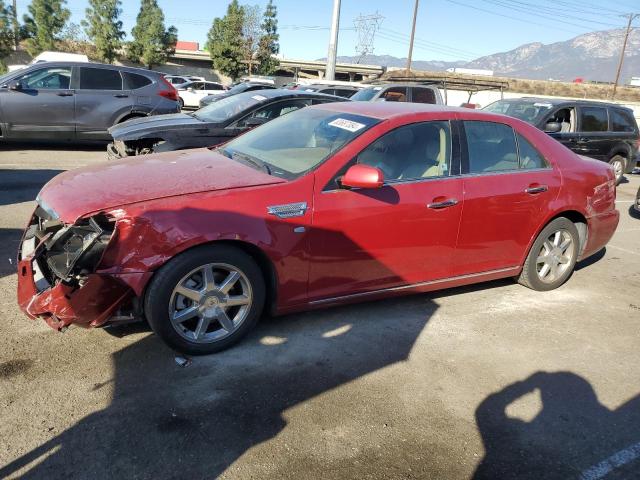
(252, 160)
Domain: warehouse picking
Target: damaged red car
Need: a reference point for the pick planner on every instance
(327, 205)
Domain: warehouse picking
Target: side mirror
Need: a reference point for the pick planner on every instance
(255, 121)
(363, 176)
(552, 127)
(16, 86)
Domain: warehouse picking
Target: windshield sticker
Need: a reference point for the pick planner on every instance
(259, 98)
(347, 124)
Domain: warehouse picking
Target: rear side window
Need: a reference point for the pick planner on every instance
(134, 81)
(491, 147)
(213, 86)
(100, 79)
(423, 95)
(594, 119)
(622, 121)
(529, 157)
(395, 94)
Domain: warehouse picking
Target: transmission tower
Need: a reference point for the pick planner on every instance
(366, 26)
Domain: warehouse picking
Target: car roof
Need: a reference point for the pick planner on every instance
(406, 84)
(562, 101)
(386, 110)
(91, 65)
(284, 93)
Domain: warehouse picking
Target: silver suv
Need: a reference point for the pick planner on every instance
(395, 92)
(78, 101)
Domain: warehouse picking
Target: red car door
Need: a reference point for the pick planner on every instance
(403, 233)
(508, 187)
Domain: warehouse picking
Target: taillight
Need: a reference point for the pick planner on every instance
(169, 92)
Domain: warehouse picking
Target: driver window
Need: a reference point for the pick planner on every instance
(566, 117)
(58, 78)
(416, 151)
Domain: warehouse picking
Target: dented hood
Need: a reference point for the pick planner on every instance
(105, 186)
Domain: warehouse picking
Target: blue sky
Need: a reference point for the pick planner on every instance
(446, 29)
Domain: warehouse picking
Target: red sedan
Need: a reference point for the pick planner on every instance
(330, 204)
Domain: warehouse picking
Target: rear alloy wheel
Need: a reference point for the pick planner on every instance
(205, 300)
(180, 103)
(619, 165)
(552, 257)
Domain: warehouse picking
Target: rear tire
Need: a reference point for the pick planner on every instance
(206, 299)
(180, 103)
(552, 257)
(619, 164)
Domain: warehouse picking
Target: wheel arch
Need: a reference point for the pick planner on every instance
(131, 115)
(258, 255)
(575, 216)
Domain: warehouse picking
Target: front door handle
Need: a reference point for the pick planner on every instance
(533, 189)
(444, 204)
(64, 94)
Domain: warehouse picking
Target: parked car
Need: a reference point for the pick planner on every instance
(330, 204)
(78, 101)
(192, 92)
(211, 125)
(400, 93)
(636, 205)
(238, 88)
(339, 90)
(604, 131)
(176, 80)
(51, 57)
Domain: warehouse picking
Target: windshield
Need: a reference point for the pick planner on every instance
(241, 87)
(228, 107)
(366, 94)
(527, 111)
(297, 142)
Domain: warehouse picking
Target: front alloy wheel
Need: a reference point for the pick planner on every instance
(205, 299)
(210, 303)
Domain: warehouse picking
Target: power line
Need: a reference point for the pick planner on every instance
(434, 44)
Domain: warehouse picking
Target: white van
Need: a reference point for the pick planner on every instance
(52, 57)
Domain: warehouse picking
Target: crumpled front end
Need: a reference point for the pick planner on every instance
(57, 263)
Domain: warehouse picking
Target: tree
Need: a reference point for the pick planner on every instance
(43, 24)
(6, 34)
(104, 29)
(268, 44)
(226, 43)
(251, 33)
(151, 44)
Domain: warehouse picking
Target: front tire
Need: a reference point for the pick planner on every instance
(552, 257)
(619, 164)
(206, 299)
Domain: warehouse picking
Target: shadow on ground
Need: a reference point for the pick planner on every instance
(22, 185)
(55, 146)
(171, 422)
(573, 436)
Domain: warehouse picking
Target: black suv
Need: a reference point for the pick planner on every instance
(604, 131)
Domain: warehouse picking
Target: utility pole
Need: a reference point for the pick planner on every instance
(413, 32)
(330, 73)
(631, 17)
(16, 30)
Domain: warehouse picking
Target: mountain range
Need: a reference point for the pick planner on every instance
(592, 56)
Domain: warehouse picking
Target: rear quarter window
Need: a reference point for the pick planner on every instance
(134, 81)
(622, 121)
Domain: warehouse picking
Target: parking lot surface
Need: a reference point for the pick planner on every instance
(489, 381)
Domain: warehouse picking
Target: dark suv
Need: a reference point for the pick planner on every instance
(78, 101)
(604, 131)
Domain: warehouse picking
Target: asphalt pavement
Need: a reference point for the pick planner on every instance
(487, 382)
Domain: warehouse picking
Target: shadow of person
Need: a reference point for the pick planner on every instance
(572, 436)
(170, 422)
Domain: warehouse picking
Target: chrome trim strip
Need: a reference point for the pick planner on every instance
(413, 285)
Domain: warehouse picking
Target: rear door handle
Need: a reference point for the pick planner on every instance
(444, 204)
(64, 94)
(537, 189)
(121, 95)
